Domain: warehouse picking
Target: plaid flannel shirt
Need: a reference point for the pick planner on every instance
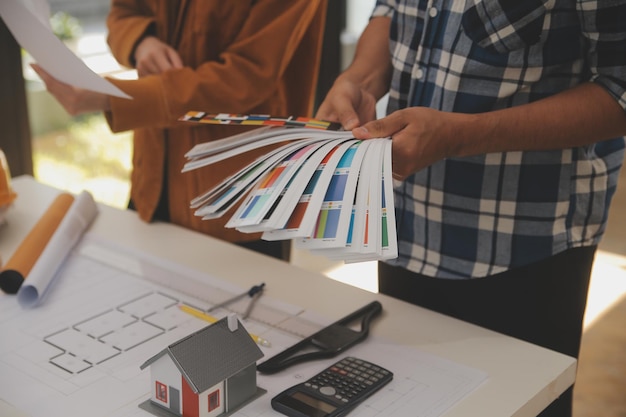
(477, 216)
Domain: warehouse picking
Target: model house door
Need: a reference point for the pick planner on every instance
(175, 400)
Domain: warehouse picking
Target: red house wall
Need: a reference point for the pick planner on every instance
(191, 406)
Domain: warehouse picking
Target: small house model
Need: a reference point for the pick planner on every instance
(208, 373)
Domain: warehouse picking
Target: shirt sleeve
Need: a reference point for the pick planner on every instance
(384, 8)
(126, 27)
(604, 29)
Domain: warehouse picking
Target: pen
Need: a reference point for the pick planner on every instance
(203, 316)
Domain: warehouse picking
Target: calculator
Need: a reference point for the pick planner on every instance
(333, 392)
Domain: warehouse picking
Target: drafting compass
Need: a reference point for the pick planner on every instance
(254, 293)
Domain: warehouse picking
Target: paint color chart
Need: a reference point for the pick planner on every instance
(322, 188)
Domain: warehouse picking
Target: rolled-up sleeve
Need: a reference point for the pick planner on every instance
(604, 27)
(384, 8)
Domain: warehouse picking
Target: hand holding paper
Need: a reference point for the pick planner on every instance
(73, 99)
(34, 34)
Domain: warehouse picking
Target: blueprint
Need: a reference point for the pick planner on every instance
(111, 309)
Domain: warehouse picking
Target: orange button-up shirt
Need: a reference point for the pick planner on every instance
(242, 56)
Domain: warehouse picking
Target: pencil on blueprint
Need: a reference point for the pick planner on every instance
(203, 316)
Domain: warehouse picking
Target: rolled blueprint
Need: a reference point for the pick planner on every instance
(23, 259)
(41, 277)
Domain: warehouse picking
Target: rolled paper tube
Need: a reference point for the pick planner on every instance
(21, 262)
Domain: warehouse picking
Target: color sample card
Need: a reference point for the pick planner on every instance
(269, 188)
(303, 220)
(331, 228)
(259, 120)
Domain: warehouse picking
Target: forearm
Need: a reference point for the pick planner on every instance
(583, 115)
(371, 66)
(422, 136)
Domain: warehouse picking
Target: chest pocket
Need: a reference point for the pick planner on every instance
(505, 26)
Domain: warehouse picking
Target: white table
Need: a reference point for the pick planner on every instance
(523, 378)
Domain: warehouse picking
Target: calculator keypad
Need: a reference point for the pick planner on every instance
(347, 378)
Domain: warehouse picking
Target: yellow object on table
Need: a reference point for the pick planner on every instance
(7, 195)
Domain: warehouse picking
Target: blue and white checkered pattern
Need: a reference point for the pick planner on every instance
(477, 216)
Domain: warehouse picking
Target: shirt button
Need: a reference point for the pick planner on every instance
(419, 73)
(433, 12)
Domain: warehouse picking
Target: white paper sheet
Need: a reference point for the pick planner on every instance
(33, 33)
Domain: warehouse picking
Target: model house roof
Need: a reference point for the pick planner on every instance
(211, 354)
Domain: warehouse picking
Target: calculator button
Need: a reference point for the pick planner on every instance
(328, 390)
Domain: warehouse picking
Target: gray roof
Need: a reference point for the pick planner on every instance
(211, 354)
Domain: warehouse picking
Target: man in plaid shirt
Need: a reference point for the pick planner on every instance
(507, 120)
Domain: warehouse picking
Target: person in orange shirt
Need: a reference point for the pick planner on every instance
(251, 57)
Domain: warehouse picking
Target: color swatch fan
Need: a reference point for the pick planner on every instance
(327, 191)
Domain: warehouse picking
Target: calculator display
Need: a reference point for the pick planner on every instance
(314, 402)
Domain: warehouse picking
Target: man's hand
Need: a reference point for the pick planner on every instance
(73, 99)
(421, 137)
(352, 99)
(348, 104)
(154, 57)
(415, 131)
